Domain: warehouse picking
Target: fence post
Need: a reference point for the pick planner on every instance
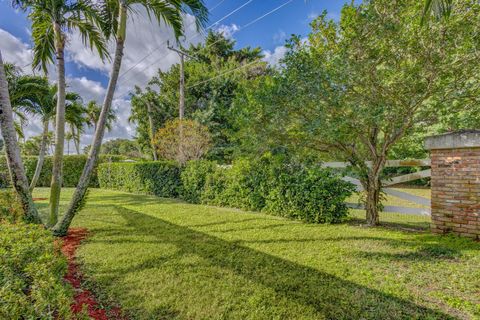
(455, 165)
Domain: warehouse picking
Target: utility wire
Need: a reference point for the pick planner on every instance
(225, 73)
(238, 30)
(191, 24)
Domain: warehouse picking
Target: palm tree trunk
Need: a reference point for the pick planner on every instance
(78, 198)
(76, 139)
(14, 162)
(41, 156)
(56, 184)
(152, 130)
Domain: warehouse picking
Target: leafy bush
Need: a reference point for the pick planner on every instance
(311, 194)
(31, 274)
(194, 177)
(271, 184)
(160, 178)
(10, 209)
(72, 170)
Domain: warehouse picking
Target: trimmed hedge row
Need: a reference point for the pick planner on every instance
(31, 274)
(160, 178)
(72, 170)
(269, 184)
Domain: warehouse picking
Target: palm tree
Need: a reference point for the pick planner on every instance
(15, 164)
(168, 11)
(25, 93)
(76, 117)
(93, 114)
(46, 111)
(145, 101)
(52, 22)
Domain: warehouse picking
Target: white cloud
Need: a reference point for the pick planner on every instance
(279, 37)
(14, 50)
(145, 51)
(88, 89)
(273, 58)
(228, 30)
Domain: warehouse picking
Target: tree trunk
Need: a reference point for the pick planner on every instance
(56, 184)
(373, 188)
(14, 162)
(41, 156)
(61, 228)
(152, 130)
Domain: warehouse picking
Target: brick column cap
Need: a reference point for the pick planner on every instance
(454, 140)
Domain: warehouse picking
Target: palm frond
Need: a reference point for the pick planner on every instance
(43, 40)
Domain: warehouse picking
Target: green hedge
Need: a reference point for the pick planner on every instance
(274, 185)
(160, 178)
(72, 169)
(269, 184)
(31, 274)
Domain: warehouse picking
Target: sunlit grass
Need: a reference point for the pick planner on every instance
(165, 259)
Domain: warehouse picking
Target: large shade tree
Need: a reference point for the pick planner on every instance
(356, 87)
(52, 22)
(115, 12)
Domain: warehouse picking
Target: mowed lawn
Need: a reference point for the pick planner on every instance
(165, 259)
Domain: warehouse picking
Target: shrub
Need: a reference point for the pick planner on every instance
(10, 208)
(194, 177)
(31, 274)
(72, 170)
(160, 178)
(311, 194)
(182, 140)
(273, 185)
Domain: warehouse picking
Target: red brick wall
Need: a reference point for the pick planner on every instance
(456, 191)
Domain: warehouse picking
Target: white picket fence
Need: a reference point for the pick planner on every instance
(396, 180)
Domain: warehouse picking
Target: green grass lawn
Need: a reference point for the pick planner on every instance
(165, 259)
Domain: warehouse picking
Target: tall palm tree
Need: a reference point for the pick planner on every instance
(52, 22)
(115, 11)
(46, 112)
(15, 164)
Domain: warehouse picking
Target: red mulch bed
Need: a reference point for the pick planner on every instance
(39, 199)
(83, 298)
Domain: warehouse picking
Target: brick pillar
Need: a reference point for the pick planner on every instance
(455, 183)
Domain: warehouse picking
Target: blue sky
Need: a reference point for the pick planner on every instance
(88, 75)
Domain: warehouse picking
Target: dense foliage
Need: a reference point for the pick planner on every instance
(31, 274)
(208, 98)
(358, 86)
(160, 178)
(10, 209)
(72, 170)
(270, 184)
(273, 185)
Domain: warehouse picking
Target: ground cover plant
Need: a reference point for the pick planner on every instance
(31, 274)
(163, 259)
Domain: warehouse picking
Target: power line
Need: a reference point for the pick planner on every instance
(238, 30)
(164, 42)
(225, 73)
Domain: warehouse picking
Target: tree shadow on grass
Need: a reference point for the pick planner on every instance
(331, 297)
